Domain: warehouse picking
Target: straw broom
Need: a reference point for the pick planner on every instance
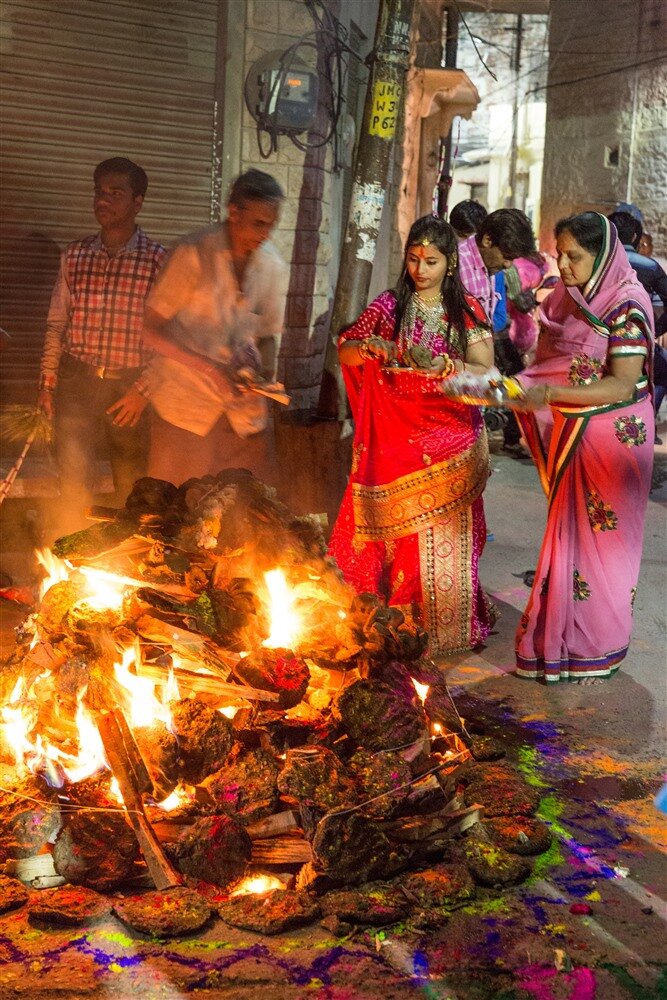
(19, 422)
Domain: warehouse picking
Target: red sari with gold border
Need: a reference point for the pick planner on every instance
(411, 525)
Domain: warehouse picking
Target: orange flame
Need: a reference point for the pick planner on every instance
(57, 570)
(285, 622)
(144, 708)
(421, 689)
(180, 796)
(33, 754)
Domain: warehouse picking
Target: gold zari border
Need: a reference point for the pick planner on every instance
(420, 499)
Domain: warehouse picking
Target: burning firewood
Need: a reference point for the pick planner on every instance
(280, 721)
(206, 683)
(133, 779)
(160, 751)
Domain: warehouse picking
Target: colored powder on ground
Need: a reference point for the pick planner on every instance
(529, 764)
(113, 937)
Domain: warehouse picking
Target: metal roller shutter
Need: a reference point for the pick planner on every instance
(83, 80)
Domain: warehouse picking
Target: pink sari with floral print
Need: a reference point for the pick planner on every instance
(595, 465)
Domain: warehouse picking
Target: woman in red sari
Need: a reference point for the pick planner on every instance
(411, 526)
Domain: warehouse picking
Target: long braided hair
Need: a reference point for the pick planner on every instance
(434, 230)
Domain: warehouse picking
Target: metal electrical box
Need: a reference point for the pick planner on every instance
(281, 96)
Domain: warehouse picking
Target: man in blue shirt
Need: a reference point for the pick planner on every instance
(654, 280)
(649, 271)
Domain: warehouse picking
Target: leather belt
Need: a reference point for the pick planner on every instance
(100, 371)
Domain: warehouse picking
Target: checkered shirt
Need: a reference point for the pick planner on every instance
(475, 277)
(97, 306)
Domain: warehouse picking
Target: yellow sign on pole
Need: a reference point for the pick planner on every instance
(386, 94)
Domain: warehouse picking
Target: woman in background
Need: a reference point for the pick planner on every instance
(594, 457)
(411, 526)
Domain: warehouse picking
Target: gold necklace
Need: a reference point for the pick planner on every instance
(430, 299)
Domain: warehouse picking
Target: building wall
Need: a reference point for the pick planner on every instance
(312, 223)
(606, 132)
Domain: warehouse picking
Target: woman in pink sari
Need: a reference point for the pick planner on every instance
(594, 455)
(411, 526)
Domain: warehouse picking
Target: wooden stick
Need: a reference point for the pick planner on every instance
(208, 683)
(281, 851)
(273, 826)
(188, 644)
(432, 826)
(129, 774)
(8, 481)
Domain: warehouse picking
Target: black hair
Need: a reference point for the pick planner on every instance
(467, 217)
(434, 230)
(586, 228)
(255, 185)
(629, 229)
(511, 231)
(121, 165)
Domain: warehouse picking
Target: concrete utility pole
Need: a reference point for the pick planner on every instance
(376, 143)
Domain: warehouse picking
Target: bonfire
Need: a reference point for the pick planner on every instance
(200, 709)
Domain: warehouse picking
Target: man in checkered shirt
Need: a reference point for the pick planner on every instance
(92, 381)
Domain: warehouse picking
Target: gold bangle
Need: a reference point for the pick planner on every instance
(363, 350)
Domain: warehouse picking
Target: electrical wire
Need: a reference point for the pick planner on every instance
(595, 76)
(329, 42)
(465, 25)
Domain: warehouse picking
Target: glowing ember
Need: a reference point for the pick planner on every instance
(179, 797)
(285, 623)
(257, 884)
(421, 689)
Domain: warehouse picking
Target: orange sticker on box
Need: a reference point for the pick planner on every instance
(386, 96)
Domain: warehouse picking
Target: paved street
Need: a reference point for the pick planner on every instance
(598, 756)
